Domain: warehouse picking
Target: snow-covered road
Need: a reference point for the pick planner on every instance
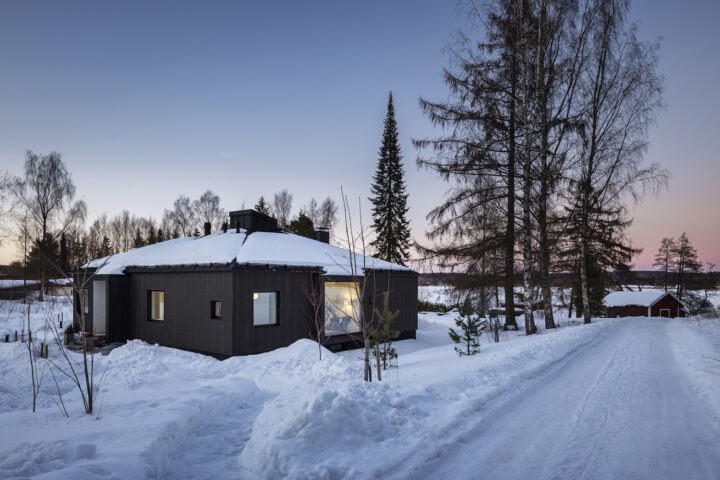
(618, 407)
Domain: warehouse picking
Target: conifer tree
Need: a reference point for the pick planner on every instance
(470, 327)
(383, 333)
(138, 241)
(262, 207)
(664, 258)
(64, 255)
(160, 235)
(388, 198)
(686, 261)
(302, 226)
(105, 247)
(152, 236)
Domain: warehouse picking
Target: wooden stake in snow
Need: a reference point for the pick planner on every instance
(377, 360)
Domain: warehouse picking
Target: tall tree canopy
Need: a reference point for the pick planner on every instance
(389, 199)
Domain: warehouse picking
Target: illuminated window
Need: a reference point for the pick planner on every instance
(265, 308)
(157, 305)
(215, 309)
(342, 308)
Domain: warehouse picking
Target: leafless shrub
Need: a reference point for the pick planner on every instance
(316, 302)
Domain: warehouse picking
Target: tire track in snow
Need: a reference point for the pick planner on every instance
(640, 419)
(464, 428)
(617, 408)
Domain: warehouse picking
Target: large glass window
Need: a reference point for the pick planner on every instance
(342, 308)
(157, 305)
(265, 308)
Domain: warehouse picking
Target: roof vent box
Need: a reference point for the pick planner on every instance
(322, 235)
(252, 221)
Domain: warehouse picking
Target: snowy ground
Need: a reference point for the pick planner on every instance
(621, 398)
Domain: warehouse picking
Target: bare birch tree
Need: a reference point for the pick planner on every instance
(207, 209)
(315, 304)
(46, 191)
(282, 207)
(620, 94)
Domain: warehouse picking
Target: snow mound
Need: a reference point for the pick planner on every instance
(316, 431)
(30, 459)
(140, 362)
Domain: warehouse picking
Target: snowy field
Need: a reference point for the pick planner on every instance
(620, 398)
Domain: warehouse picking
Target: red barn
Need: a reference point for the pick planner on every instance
(647, 303)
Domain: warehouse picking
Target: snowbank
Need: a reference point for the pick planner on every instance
(697, 347)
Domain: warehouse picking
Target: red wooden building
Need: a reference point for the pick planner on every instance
(647, 303)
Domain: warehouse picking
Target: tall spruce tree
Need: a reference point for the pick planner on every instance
(388, 198)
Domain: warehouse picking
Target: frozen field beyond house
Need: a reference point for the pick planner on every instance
(620, 398)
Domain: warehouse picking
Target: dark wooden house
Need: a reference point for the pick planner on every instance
(239, 292)
(646, 303)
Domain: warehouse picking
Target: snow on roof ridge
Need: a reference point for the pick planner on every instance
(642, 298)
(256, 248)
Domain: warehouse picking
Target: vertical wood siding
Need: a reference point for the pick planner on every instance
(187, 321)
(293, 309)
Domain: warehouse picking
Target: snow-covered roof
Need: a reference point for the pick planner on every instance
(645, 298)
(258, 248)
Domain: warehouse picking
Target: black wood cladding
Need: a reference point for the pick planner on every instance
(188, 293)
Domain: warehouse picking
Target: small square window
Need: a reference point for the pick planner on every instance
(215, 309)
(157, 305)
(265, 308)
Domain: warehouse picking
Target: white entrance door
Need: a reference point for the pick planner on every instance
(99, 306)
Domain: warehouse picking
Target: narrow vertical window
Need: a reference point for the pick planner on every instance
(83, 298)
(265, 308)
(157, 305)
(215, 309)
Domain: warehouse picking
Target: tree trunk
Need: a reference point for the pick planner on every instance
(509, 285)
(583, 260)
(541, 89)
(527, 184)
(377, 360)
(366, 368)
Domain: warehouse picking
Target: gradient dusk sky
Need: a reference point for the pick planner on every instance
(147, 100)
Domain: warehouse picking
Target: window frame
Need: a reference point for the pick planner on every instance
(277, 308)
(356, 289)
(213, 314)
(150, 306)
